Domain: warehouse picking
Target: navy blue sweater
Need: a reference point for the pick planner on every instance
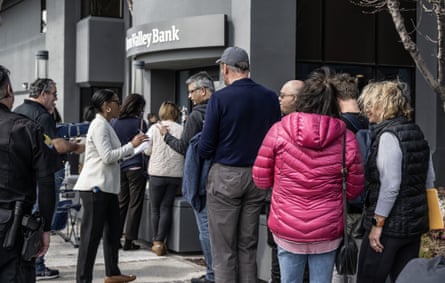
(237, 119)
(126, 129)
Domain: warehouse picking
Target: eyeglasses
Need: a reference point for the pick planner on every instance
(282, 95)
(117, 101)
(193, 90)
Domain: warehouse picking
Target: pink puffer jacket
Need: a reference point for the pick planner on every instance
(301, 159)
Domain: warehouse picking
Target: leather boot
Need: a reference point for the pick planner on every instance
(119, 278)
(159, 248)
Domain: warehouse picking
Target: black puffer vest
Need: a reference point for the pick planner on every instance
(409, 215)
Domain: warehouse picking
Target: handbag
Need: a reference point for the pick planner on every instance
(347, 252)
(434, 212)
(144, 157)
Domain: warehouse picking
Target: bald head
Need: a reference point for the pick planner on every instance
(288, 95)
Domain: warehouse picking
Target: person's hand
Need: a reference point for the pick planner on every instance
(374, 239)
(44, 244)
(80, 148)
(138, 139)
(162, 129)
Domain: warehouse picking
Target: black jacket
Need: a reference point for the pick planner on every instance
(194, 124)
(25, 159)
(409, 215)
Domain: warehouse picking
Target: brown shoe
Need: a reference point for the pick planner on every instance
(159, 248)
(119, 278)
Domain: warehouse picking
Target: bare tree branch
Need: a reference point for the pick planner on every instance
(438, 10)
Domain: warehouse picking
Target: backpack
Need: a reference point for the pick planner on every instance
(363, 136)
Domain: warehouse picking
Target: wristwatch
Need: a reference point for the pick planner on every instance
(377, 222)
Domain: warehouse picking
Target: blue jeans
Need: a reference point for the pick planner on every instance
(203, 225)
(292, 266)
(40, 264)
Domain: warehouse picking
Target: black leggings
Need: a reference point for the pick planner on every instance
(375, 267)
(162, 195)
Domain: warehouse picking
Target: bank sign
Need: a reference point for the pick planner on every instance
(191, 32)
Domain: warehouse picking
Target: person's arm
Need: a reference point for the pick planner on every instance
(63, 146)
(263, 172)
(191, 128)
(209, 137)
(355, 177)
(389, 164)
(431, 176)
(101, 136)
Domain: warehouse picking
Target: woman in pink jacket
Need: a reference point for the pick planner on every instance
(301, 159)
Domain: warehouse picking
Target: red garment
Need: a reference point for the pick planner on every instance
(301, 158)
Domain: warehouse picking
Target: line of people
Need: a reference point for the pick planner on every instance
(238, 143)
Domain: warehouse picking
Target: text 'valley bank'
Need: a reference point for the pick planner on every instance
(156, 36)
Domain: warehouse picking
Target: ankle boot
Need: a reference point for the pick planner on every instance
(119, 278)
(159, 248)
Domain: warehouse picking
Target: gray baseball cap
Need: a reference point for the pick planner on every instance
(234, 56)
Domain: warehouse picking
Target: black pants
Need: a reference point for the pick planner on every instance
(162, 195)
(375, 267)
(12, 268)
(100, 219)
(131, 201)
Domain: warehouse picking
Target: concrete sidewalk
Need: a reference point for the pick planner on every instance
(143, 263)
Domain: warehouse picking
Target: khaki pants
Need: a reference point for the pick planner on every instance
(234, 204)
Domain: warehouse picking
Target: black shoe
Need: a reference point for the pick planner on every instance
(130, 246)
(201, 279)
(47, 274)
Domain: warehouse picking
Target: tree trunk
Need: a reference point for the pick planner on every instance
(410, 46)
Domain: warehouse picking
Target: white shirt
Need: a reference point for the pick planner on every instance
(103, 150)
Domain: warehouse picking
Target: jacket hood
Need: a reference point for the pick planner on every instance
(313, 131)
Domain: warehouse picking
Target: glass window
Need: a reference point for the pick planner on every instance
(340, 32)
(102, 8)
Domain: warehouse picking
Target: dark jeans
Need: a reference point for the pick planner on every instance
(131, 201)
(162, 195)
(100, 220)
(375, 267)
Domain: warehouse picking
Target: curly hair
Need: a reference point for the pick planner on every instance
(391, 97)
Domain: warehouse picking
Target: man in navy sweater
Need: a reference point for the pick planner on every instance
(237, 119)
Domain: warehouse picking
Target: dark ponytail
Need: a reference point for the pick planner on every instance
(319, 96)
(99, 98)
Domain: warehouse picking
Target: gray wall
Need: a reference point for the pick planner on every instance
(157, 11)
(61, 45)
(273, 42)
(20, 38)
(261, 27)
(429, 111)
(100, 51)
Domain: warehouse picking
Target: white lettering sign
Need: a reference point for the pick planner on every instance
(156, 36)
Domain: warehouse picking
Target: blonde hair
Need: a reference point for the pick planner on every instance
(169, 111)
(391, 97)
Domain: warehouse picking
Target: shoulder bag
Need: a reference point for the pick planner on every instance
(347, 252)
